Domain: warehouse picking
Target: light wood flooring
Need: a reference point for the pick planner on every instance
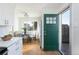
(33, 48)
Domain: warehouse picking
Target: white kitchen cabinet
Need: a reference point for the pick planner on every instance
(3, 22)
(14, 46)
(3, 15)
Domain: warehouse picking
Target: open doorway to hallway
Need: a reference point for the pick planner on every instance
(65, 28)
(31, 40)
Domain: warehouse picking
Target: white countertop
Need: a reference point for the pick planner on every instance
(9, 42)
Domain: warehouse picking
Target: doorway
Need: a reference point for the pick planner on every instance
(31, 39)
(65, 28)
(51, 32)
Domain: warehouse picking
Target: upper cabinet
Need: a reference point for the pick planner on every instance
(3, 16)
(3, 21)
(7, 12)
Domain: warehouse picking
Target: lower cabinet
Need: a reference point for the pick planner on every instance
(15, 48)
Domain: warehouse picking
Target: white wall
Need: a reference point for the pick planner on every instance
(16, 21)
(74, 29)
(60, 31)
(7, 10)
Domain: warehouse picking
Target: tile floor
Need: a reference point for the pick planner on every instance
(66, 48)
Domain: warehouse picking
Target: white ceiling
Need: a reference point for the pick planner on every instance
(36, 9)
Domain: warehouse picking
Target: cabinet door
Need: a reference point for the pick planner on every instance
(16, 48)
(3, 13)
(13, 49)
(19, 46)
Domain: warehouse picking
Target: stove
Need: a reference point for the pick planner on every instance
(3, 51)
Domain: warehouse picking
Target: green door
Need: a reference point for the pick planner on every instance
(50, 32)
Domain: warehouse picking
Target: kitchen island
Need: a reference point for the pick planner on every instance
(14, 45)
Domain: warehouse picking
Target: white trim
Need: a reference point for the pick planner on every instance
(42, 31)
(70, 29)
(61, 52)
(60, 31)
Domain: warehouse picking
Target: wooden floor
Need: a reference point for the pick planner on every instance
(34, 49)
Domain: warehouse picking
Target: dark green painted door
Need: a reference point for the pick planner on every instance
(50, 32)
